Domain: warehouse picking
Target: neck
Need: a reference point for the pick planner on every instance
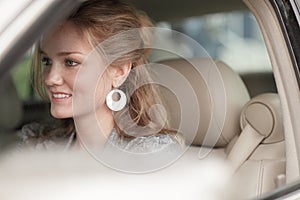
(105, 121)
(94, 129)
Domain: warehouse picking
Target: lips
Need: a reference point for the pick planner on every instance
(60, 96)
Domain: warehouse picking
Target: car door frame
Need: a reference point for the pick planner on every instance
(37, 18)
(279, 22)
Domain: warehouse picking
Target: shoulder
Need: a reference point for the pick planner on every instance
(34, 136)
(32, 133)
(154, 143)
(150, 143)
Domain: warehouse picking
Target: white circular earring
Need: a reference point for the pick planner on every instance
(116, 100)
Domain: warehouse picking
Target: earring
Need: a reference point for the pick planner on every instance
(116, 100)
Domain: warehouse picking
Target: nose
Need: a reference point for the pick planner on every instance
(53, 76)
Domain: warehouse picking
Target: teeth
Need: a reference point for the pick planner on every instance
(61, 96)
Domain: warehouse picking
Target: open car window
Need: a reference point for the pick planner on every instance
(232, 39)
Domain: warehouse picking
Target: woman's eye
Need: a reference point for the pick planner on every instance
(71, 63)
(46, 61)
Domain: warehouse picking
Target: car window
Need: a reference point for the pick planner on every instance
(233, 37)
(297, 4)
(21, 78)
(12, 8)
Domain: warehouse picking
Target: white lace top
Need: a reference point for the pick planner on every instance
(32, 136)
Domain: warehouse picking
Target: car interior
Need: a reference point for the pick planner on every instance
(252, 136)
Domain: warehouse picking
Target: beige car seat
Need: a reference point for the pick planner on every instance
(258, 154)
(235, 97)
(264, 161)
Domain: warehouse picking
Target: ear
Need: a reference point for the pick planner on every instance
(119, 74)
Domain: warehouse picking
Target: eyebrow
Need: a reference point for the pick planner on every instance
(67, 53)
(64, 53)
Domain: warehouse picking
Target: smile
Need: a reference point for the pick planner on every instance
(61, 95)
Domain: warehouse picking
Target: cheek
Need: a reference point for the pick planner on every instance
(44, 75)
(69, 78)
(43, 81)
(103, 88)
(71, 82)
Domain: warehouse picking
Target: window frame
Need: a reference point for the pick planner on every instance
(37, 18)
(287, 13)
(289, 23)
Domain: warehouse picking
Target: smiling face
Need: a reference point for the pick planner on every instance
(62, 54)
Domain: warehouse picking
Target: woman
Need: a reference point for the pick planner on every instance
(60, 55)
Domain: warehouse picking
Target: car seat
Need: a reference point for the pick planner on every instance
(258, 153)
(235, 97)
(262, 166)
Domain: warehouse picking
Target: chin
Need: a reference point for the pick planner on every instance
(59, 114)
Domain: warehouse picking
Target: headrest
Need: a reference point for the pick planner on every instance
(235, 97)
(263, 113)
(10, 104)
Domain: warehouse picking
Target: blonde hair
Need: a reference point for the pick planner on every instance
(99, 20)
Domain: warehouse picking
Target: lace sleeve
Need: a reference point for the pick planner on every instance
(146, 144)
(31, 131)
(152, 144)
(33, 137)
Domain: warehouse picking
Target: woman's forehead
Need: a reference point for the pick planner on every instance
(66, 37)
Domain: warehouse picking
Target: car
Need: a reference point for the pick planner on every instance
(234, 96)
